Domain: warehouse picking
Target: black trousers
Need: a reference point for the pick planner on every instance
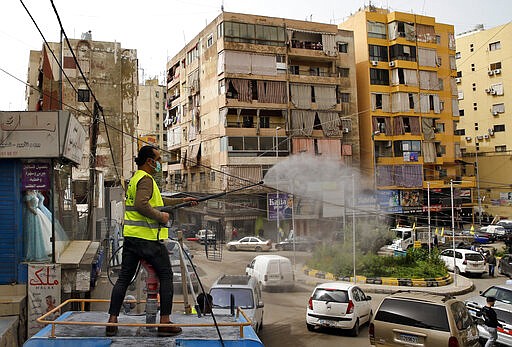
(155, 253)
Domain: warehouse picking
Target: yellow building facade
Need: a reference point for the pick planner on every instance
(483, 80)
(408, 111)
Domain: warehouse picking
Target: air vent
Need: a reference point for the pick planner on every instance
(374, 62)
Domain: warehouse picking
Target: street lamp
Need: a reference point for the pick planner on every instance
(277, 188)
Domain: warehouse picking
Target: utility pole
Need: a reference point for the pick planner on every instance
(93, 140)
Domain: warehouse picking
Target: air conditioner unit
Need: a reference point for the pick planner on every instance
(497, 71)
(374, 62)
(480, 137)
(468, 138)
(388, 144)
(346, 130)
(487, 90)
(490, 131)
(493, 92)
(490, 72)
(457, 80)
(391, 64)
(495, 113)
(486, 136)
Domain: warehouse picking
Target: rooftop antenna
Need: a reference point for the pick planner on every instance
(222, 6)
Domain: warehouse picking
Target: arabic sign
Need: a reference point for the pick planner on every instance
(35, 176)
(75, 140)
(283, 206)
(44, 285)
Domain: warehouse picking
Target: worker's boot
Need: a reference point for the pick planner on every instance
(169, 331)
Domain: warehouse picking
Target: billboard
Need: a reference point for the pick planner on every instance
(282, 206)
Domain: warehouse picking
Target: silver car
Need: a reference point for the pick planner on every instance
(503, 308)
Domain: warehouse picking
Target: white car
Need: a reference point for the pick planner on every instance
(250, 243)
(466, 261)
(338, 305)
(203, 233)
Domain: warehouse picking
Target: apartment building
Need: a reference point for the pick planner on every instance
(483, 78)
(247, 92)
(407, 101)
(111, 73)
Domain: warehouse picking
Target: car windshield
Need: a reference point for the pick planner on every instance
(416, 314)
(222, 297)
(330, 295)
(500, 294)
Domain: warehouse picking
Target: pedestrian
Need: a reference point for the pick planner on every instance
(491, 260)
(490, 320)
(234, 233)
(436, 241)
(144, 232)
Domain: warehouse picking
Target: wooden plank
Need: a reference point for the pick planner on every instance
(74, 252)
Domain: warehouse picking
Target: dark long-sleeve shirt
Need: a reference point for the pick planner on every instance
(490, 317)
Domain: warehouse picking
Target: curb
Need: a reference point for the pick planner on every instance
(390, 281)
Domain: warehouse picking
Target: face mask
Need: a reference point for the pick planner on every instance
(158, 167)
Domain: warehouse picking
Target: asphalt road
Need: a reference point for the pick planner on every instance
(284, 313)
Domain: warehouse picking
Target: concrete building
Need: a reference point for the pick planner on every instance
(407, 101)
(111, 72)
(245, 86)
(482, 79)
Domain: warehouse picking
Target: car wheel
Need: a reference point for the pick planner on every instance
(231, 248)
(311, 327)
(355, 330)
(258, 249)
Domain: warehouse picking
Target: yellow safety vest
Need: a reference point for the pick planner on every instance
(137, 225)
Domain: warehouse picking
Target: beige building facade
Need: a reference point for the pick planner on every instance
(247, 92)
(111, 72)
(483, 80)
(407, 101)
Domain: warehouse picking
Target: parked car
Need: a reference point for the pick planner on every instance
(244, 291)
(272, 271)
(466, 261)
(422, 319)
(497, 231)
(204, 233)
(507, 224)
(302, 243)
(503, 308)
(250, 243)
(505, 265)
(339, 305)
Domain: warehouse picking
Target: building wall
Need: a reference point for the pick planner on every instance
(444, 166)
(213, 114)
(111, 72)
(484, 125)
(151, 110)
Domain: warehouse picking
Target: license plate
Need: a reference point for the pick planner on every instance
(326, 323)
(409, 338)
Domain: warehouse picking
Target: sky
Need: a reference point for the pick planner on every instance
(159, 29)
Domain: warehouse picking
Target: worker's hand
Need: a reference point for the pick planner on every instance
(193, 201)
(165, 217)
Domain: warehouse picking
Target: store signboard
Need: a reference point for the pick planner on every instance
(35, 176)
(44, 286)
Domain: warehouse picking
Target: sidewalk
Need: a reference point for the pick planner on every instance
(463, 286)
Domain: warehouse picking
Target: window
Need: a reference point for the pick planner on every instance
(402, 52)
(157, 94)
(376, 29)
(472, 67)
(378, 53)
(157, 105)
(502, 148)
(209, 41)
(379, 77)
(342, 47)
(461, 113)
(409, 150)
(498, 108)
(459, 73)
(475, 106)
(471, 47)
(474, 87)
(438, 39)
(84, 95)
(280, 58)
(294, 69)
(460, 132)
(254, 33)
(212, 176)
(494, 46)
(378, 101)
(499, 127)
(495, 66)
(264, 122)
(344, 97)
(457, 55)
(440, 127)
(343, 72)
(460, 95)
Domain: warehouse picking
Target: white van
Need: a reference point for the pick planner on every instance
(272, 271)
